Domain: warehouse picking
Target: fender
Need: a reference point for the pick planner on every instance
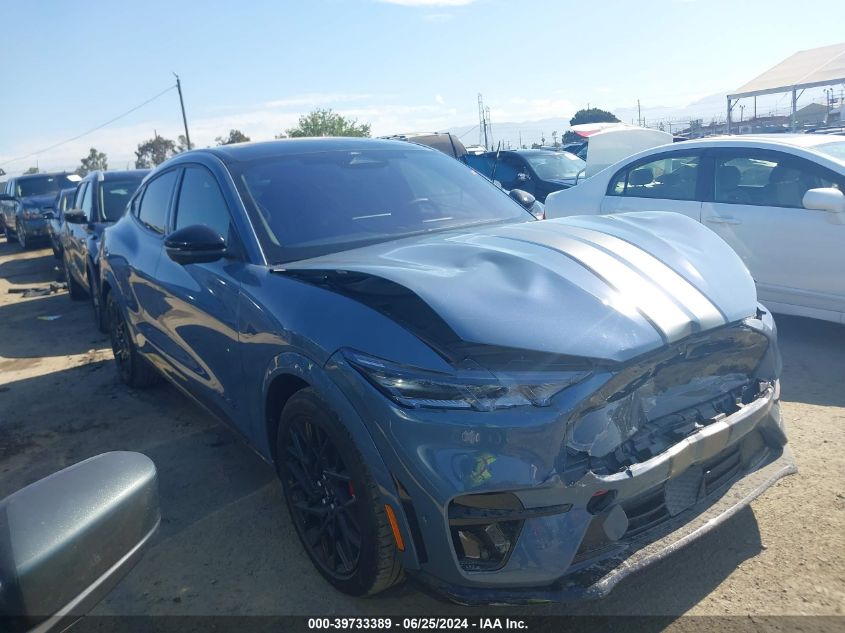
(296, 364)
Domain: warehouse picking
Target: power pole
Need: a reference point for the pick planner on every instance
(639, 114)
(482, 123)
(184, 116)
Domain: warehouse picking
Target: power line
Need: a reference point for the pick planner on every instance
(93, 129)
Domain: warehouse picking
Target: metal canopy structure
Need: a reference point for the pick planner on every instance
(805, 69)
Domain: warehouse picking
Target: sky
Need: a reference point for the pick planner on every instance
(400, 65)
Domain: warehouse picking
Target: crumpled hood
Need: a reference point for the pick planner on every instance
(603, 287)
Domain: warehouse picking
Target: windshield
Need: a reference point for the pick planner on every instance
(41, 185)
(557, 166)
(308, 205)
(837, 150)
(114, 195)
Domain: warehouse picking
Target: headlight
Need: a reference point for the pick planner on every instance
(465, 389)
(31, 214)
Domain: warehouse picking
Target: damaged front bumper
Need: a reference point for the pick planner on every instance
(504, 507)
(662, 505)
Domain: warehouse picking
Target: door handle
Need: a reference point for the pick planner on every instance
(722, 219)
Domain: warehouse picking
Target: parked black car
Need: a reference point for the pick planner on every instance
(56, 217)
(445, 142)
(23, 205)
(101, 199)
(536, 171)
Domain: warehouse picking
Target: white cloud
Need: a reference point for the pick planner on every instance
(429, 3)
(438, 18)
(439, 99)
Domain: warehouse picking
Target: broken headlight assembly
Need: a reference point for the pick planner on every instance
(475, 389)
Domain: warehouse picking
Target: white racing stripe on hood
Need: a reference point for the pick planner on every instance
(681, 290)
(651, 300)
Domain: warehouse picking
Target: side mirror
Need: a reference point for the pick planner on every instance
(529, 203)
(195, 244)
(5, 197)
(75, 216)
(825, 199)
(525, 199)
(70, 537)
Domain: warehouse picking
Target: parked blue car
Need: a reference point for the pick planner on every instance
(511, 410)
(100, 200)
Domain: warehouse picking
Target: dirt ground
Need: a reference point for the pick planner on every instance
(226, 545)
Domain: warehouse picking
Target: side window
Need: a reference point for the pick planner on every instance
(480, 163)
(80, 193)
(201, 202)
(154, 205)
(506, 170)
(768, 179)
(88, 202)
(670, 177)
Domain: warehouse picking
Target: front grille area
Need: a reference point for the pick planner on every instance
(654, 403)
(721, 469)
(645, 512)
(649, 510)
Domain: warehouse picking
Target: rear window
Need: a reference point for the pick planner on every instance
(114, 196)
(837, 150)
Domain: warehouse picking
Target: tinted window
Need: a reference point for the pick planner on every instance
(156, 200)
(767, 179)
(42, 185)
(671, 177)
(201, 202)
(80, 194)
(114, 196)
(480, 163)
(88, 202)
(321, 202)
(837, 149)
(506, 169)
(557, 166)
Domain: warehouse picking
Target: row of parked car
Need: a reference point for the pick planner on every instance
(510, 409)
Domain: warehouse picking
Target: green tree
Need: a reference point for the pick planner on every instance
(327, 123)
(588, 115)
(94, 161)
(235, 136)
(181, 144)
(31, 170)
(154, 152)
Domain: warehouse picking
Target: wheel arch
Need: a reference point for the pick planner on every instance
(288, 373)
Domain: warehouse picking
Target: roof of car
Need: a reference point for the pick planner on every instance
(118, 174)
(42, 175)
(796, 140)
(267, 149)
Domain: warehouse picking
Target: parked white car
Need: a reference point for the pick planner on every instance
(776, 199)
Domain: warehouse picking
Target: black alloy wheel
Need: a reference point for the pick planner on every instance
(333, 501)
(75, 290)
(96, 303)
(131, 368)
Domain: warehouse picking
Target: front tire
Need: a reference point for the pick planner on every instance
(100, 319)
(333, 500)
(133, 370)
(23, 242)
(74, 289)
(10, 237)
